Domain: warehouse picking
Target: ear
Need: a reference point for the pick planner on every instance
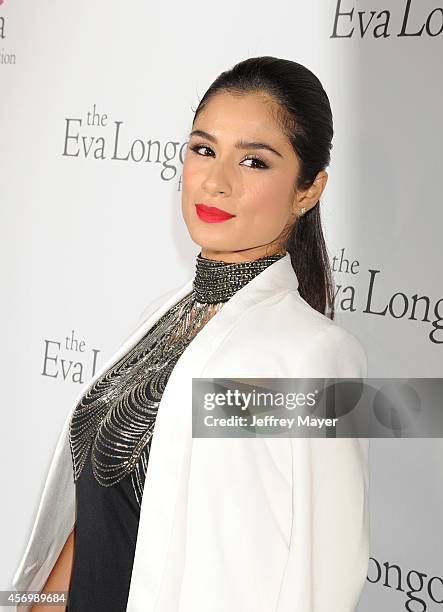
(309, 197)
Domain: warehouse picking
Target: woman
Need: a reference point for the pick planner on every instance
(244, 525)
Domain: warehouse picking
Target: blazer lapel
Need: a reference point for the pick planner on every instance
(170, 452)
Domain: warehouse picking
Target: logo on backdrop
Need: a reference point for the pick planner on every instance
(412, 21)
(69, 359)
(97, 137)
(411, 583)
(376, 301)
(6, 57)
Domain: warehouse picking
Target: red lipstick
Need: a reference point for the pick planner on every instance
(211, 214)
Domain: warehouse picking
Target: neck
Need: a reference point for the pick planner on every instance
(243, 255)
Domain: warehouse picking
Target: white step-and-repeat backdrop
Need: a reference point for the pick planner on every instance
(92, 227)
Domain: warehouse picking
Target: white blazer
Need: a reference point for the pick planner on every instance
(236, 524)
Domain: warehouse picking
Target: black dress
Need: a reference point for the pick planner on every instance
(111, 432)
(106, 532)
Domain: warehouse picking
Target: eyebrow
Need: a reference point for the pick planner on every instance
(240, 144)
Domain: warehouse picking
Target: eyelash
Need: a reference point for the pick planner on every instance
(263, 166)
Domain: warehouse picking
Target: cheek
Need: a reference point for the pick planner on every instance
(191, 190)
(267, 198)
(190, 175)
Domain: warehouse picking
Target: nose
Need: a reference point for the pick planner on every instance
(216, 180)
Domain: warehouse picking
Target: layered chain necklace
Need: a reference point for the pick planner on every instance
(114, 420)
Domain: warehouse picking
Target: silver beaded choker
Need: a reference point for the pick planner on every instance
(217, 281)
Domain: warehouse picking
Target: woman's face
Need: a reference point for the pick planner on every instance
(238, 160)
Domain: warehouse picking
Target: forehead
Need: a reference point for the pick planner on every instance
(249, 115)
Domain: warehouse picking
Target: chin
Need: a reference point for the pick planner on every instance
(210, 236)
(213, 245)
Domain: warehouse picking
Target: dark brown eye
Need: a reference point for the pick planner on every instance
(257, 160)
(196, 149)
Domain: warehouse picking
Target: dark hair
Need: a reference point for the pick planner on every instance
(305, 116)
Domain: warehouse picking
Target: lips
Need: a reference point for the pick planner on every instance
(212, 214)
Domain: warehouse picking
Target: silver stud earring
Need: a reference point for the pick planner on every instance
(302, 212)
